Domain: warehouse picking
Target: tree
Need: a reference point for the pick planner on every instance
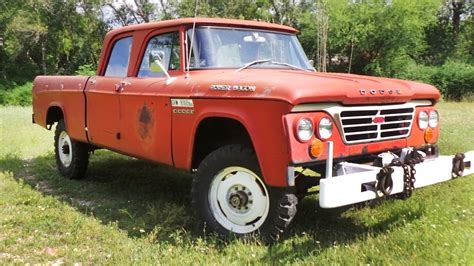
(50, 36)
(450, 36)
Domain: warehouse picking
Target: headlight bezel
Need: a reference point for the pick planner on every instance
(423, 124)
(299, 129)
(433, 123)
(325, 123)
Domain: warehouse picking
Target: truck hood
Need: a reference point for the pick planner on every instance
(298, 87)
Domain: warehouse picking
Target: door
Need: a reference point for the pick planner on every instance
(102, 94)
(145, 103)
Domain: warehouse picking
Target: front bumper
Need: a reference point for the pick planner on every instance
(355, 183)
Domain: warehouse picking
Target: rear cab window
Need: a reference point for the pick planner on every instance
(119, 59)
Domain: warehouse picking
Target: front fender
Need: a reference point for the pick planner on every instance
(263, 121)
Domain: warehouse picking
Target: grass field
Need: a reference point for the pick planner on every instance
(129, 211)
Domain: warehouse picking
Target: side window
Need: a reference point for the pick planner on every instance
(163, 49)
(119, 58)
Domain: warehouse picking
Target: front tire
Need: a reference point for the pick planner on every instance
(230, 196)
(72, 157)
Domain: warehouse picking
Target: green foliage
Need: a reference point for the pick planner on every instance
(379, 33)
(375, 37)
(85, 70)
(454, 79)
(49, 37)
(19, 95)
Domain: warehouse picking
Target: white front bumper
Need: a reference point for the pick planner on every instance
(348, 187)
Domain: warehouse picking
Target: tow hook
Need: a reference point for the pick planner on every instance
(385, 181)
(458, 165)
(407, 160)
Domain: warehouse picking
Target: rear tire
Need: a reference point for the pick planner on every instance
(231, 198)
(72, 157)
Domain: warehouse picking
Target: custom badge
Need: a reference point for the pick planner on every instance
(186, 106)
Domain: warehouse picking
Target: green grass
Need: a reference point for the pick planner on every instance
(129, 211)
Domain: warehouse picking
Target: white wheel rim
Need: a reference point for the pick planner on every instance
(239, 200)
(65, 149)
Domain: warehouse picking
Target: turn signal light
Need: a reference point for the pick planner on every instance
(316, 148)
(428, 135)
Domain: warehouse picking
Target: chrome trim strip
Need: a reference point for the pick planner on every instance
(328, 107)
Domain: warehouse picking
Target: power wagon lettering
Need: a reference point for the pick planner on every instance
(233, 88)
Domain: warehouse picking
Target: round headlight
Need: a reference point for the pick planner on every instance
(423, 120)
(304, 129)
(325, 128)
(434, 118)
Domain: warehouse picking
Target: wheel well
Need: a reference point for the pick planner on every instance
(54, 115)
(215, 132)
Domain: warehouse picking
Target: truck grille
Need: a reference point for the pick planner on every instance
(376, 124)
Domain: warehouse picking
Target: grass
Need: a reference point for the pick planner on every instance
(129, 211)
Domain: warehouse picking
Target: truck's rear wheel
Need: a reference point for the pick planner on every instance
(231, 197)
(72, 157)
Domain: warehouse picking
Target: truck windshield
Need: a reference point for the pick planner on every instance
(235, 48)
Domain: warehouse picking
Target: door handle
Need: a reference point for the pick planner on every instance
(120, 87)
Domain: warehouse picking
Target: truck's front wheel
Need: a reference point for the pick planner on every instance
(231, 197)
(72, 157)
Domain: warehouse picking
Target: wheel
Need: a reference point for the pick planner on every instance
(72, 157)
(230, 196)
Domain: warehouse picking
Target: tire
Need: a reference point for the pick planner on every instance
(230, 197)
(72, 157)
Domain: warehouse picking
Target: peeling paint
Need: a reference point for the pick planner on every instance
(145, 122)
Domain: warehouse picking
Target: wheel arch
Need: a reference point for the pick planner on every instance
(54, 114)
(223, 131)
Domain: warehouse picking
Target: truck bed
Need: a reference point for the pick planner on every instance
(65, 93)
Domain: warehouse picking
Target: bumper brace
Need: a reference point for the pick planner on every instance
(355, 183)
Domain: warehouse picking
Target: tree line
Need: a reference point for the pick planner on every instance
(398, 38)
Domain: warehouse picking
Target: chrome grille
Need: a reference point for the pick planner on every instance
(375, 124)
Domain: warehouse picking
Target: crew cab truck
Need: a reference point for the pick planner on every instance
(238, 104)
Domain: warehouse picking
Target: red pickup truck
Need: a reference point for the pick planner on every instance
(238, 104)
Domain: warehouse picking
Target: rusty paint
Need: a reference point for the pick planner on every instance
(145, 122)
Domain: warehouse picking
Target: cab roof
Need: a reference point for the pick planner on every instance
(203, 21)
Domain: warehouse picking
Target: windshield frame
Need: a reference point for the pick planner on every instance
(188, 34)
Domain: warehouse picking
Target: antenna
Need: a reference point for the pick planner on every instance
(192, 39)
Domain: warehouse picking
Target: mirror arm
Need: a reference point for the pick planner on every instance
(169, 79)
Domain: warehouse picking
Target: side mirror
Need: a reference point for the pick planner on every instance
(156, 64)
(311, 63)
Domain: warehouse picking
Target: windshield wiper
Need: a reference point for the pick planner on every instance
(262, 61)
(289, 65)
(255, 62)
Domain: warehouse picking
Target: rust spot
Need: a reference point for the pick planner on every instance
(145, 122)
(365, 150)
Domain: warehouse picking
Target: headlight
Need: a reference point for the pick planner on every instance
(304, 129)
(423, 120)
(434, 118)
(325, 128)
